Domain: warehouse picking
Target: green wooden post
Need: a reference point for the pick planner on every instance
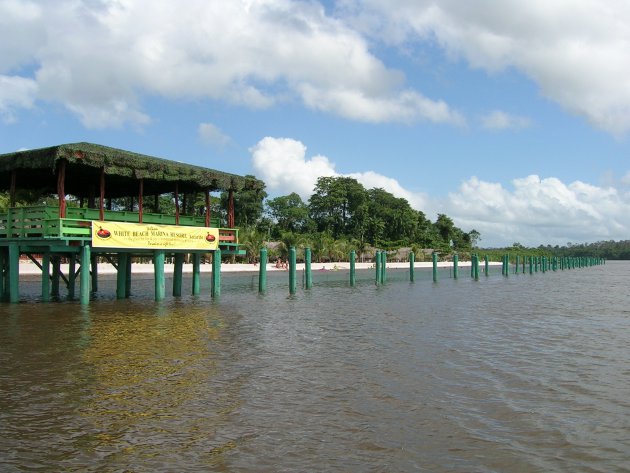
(434, 257)
(56, 275)
(128, 276)
(216, 273)
(14, 272)
(3, 275)
(353, 279)
(158, 270)
(85, 275)
(308, 276)
(543, 264)
(412, 266)
(476, 267)
(196, 274)
(121, 276)
(292, 271)
(383, 267)
(486, 265)
(72, 269)
(517, 264)
(378, 266)
(94, 266)
(262, 271)
(46, 277)
(455, 268)
(178, 274)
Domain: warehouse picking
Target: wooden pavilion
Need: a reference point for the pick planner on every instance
(84, 227)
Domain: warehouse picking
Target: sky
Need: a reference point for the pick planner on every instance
(510, 117)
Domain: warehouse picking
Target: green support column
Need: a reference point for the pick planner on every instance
(262, 271)
(455, 268)
(128, 276)
(178, 274)
(292, 271)
(121, 276)
(14, 273)
(543, 265)
(3, 275)
(308, 275)
(412, 266)
(46, 277)
(383, 267)
(56, 275)
(486, 265)
(434, 257)
(216, 273)
(72, 269)
(196, 274)
(377, 261)
(476, 267)
(353, 257)
(158, 276)
(84, 275)
(94, 266)
(531, 265)
(518, 261)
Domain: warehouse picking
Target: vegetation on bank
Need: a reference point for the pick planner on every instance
(342, 215)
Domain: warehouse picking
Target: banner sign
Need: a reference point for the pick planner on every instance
(155, 237)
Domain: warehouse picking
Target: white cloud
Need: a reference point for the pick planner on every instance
(212, 135)
(15, 93)
(575, 50)
(282, 164)
(100, 59)
(540, 211)
(499, 120)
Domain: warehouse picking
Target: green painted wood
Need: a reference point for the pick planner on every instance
(308, 275)
(353, 271)
(3, 274)
(434, 258)
(178, 274)
(128, 277)
(292, 271)
(455, 266)
(377, 264)
(84, 275)
(158, 276)
(412, 266)
(383, 267)
(121, 276)
(46, 277)
(262, 271)
(196, 274)
(14, 273)
(486, 264)
(216, 274)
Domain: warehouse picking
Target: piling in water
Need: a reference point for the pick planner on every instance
(262, 271)
(435, 273)
(308, 275)
(292, 271)
(353, 276)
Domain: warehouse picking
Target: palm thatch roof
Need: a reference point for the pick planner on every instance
(37, 170)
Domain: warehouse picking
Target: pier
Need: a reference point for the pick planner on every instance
(87, 223)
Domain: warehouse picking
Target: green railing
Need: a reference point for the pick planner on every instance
(43, 222)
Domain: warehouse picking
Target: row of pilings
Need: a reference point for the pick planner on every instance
(534, 263)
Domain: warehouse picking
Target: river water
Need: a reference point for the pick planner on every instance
(526, 373)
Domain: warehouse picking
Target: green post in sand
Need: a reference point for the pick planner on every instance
(412, 262)
(262, 271)
(292, 271)
(353, 279)
(215, 290)
(455, 268)
(308, 275)
(377, 262)
(435, 272)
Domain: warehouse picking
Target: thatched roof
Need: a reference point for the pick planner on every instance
(36, 169)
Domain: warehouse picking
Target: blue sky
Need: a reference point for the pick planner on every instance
(511, 117)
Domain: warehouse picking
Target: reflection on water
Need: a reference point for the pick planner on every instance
(526, 373)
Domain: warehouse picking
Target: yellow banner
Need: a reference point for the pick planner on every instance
(162, 237)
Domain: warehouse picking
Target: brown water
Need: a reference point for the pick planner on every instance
(518, 374)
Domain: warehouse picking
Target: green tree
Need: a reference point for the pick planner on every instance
(248, 205)
(290, 213)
